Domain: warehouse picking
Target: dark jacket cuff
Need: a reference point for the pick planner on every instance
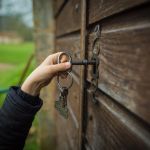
(21, 103)
(33, 100)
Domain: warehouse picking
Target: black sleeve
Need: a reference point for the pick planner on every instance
(16, 116)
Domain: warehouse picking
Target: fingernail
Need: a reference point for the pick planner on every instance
(67, 64)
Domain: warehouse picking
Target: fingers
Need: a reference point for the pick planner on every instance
(63, 58)
(54, 69)
(51, 59)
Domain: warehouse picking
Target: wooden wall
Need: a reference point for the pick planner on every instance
(121, 118)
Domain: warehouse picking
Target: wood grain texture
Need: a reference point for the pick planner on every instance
(67, 133)
(83, 72)
(74, 102)
(57, 6)
(111, 127)
(70, 18)
(44, 46)
(125, 60)
(71, 45)
(62, 141)
(99, 9)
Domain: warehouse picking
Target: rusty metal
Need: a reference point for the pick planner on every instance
(95, 71)
(80, 62)
(83, 62)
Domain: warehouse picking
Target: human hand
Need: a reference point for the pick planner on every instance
(44, 73)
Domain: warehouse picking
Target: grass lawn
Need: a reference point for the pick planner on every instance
(13, 58)
(15, 53)
(16, 57)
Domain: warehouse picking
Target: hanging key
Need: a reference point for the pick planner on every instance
(61, 103)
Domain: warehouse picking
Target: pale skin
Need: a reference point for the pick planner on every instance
(43, 74)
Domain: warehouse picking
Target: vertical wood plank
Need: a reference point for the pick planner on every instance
(58, 4)
(83, 74)
(69, 19)
(44, 45)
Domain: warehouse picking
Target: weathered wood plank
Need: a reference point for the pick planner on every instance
(72, 134)
(57, 6)
(99, 9)
(70, 18)
(62, 140)
(74, 100)
(44, 45)
(125, 60)
(71, 45)
(110, 126)
(67, 133)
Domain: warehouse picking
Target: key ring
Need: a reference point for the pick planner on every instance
(68, 72)
(65, 54)
(59, 83)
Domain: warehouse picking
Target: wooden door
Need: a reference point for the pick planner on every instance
(120, 119)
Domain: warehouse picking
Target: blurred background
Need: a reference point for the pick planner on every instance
(17, 51)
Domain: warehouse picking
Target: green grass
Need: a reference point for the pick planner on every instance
(17, 56)
(15, 53)
(11, 76)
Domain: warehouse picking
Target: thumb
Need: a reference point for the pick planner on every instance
(59, 67)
